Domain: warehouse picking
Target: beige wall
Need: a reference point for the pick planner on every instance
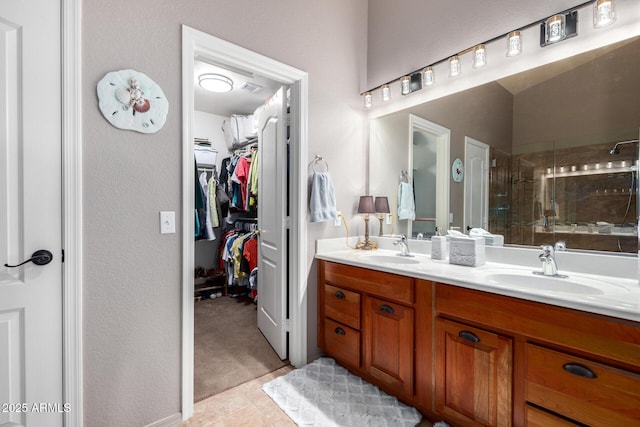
(483, 113)
(131, 283)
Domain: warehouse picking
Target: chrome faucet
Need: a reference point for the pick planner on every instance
(404, 246)
(548, 259)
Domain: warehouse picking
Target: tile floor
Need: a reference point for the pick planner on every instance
(245, 405)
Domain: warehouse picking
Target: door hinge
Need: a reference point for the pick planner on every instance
(63, 255)
(286, 223)
(287, 325)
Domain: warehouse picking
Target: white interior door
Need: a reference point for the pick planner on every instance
(272, 213)
(476, 184)
(30, 214)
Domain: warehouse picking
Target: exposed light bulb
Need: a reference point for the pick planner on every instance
(603, 13)
(405, 85)
(514, 43)
(479, 56)
(386, 93)
(556, 30)
(428, 76)
(368, 100)
(455, 68)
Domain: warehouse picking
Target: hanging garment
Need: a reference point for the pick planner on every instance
(208, 229)
(406, 203)
(323, 198)
(253, 180)
(212, 186)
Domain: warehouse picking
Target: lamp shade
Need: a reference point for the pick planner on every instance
(366, 205)
(382, 205)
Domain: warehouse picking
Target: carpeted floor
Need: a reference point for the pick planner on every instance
(229, 348)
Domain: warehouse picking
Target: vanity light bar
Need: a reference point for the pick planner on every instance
(556, 28)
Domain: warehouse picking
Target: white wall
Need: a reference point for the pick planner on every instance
(132, 274)
(207, 125)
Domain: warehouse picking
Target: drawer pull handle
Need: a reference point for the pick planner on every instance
(579, 370)
(340, 331)
(340, 295)
(386, 309)
(469, 336)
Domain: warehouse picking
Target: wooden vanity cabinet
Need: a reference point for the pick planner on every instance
(474, 358)
(388, 343)
(473, 375)
(367, 322)
(569, 367)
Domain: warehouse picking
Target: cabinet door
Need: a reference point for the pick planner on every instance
(473, 375)
(388, 344)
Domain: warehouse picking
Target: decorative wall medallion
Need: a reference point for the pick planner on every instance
(457, 170)
(129, 99)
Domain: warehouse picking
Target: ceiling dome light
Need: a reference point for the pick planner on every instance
(215, 82)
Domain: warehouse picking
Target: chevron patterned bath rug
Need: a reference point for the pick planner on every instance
(325, 394)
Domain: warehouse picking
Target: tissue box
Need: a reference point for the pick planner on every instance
(469, 251)
(438, 247)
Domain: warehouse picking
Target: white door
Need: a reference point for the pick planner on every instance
(476, 186)
(272, 213)
(30, 214)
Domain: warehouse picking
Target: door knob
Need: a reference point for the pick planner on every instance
(41, 257)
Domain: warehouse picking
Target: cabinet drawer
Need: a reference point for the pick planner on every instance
(539, 418)
(342, 305)
(595, 394)
(385, 285)
(342, 343)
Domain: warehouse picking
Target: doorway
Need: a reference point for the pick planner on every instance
(429, 160)
(476, 186)
(196, 46)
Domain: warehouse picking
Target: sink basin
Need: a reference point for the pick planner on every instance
(575, 285)
(390, 259)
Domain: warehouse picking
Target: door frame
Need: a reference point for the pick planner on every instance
(72, 187)
(443, 143)
(194, 43)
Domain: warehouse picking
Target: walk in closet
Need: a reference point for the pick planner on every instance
(229, 349)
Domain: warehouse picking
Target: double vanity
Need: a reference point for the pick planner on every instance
(494, 345)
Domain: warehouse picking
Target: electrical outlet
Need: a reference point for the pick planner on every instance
(338, 221)
(388, 219)
(450, 217)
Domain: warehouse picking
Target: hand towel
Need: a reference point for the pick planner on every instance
(406, 203)
(323, 198)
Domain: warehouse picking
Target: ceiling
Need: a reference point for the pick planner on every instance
(523, 81)
(239, 100)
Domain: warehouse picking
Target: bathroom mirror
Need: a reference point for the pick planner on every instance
(553, 172)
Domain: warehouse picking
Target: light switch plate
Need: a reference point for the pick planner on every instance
(167, 222)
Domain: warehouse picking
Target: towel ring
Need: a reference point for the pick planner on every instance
(317, 160)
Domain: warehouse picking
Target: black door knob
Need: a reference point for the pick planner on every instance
(41, 257)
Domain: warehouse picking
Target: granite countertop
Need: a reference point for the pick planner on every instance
(595, 293)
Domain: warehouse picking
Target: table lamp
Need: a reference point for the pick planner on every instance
(382, 208)
(366, 207)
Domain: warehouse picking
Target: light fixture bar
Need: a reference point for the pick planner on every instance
(514, 40)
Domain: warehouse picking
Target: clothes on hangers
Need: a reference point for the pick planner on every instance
(239, 257)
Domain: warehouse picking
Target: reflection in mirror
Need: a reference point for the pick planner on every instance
(554, 171)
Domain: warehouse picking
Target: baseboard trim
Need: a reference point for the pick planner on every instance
(169, 421)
